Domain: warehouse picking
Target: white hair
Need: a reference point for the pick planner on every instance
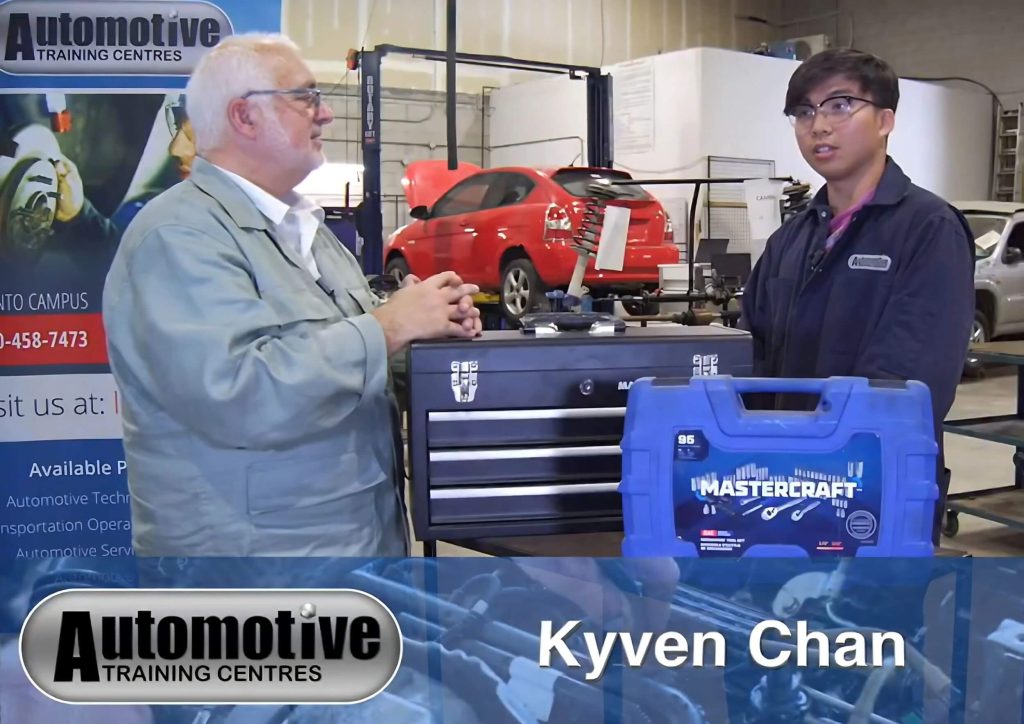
(236, 65)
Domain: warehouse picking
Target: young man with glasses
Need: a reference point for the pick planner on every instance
(876, 277)
(251, 355)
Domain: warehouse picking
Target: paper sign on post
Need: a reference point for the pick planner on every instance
(611, 249)
(763, 198)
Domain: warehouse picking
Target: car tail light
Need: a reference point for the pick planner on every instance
(670, 234)
(557, 224)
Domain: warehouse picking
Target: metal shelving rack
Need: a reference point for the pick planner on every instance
(1004, 504)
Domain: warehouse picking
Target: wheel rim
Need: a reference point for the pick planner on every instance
(516, 291)
(978, 333)
(398, 273)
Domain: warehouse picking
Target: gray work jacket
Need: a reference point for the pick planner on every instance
(259, 418)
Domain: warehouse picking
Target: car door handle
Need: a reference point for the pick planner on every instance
(464, 223)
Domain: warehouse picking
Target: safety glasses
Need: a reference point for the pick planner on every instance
(310, 97)
(837, 109)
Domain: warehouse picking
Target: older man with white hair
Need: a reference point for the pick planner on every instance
(251, 355)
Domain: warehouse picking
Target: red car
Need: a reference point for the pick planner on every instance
(510, 231)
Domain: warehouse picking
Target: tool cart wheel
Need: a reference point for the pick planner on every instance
(952, 524)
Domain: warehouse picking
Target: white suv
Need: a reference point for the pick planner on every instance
(998, 228)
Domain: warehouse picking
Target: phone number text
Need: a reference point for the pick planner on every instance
(74, 339)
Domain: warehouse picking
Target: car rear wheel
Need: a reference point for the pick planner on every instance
(398, 268)
(521, 291)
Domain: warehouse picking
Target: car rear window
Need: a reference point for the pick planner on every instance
(576, 181)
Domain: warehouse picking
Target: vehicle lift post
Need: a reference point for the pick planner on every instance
(371, 223)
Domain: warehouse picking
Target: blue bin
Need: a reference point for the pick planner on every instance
(702, 475)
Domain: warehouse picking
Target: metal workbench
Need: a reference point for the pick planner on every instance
(1005, 504)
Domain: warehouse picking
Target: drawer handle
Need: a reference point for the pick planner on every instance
(523, 491)
(456, 456)
(575, 413)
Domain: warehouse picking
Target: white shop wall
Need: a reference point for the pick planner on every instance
(942, 138)
(658, 126)
(710, 102)
(741, 111)
(539, 123)
(581, 32)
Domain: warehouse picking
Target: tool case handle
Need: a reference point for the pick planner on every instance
(725, 397)
(809, 385)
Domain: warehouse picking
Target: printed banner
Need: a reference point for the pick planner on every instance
(92, 127)
(512, 641)
(118, 44)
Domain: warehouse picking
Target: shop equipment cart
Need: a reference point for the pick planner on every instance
(1005, 504)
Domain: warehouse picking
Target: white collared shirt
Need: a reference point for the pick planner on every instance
(296, 223)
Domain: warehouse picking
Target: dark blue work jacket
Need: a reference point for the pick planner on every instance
(893, 299)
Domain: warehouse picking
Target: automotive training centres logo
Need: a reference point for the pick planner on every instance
(108, 37)
(258, 646)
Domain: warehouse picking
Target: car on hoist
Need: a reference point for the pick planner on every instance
(510, 231)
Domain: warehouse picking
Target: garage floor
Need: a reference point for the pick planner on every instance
(976, 465)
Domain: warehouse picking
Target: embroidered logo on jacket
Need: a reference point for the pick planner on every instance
(870, 262)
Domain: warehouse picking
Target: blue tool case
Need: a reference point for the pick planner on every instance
(703, 475)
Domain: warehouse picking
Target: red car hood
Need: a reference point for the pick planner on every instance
(425, 181)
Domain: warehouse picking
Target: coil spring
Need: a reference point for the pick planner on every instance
(589, 234)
